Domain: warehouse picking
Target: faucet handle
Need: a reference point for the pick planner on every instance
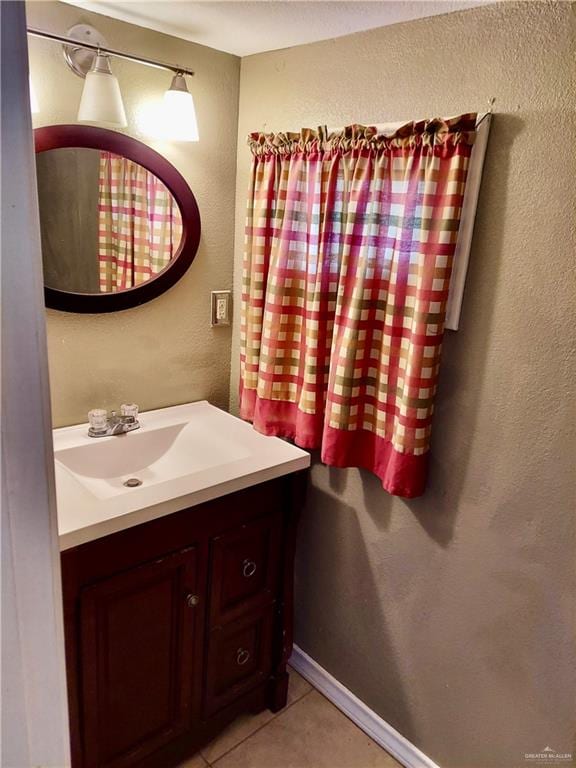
(130, 410)
(97, 419)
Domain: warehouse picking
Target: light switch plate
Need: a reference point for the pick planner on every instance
(220, 311)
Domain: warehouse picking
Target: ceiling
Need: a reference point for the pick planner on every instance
(244, 27)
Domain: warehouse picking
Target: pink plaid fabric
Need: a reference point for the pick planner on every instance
(139, 224)
(350, 239)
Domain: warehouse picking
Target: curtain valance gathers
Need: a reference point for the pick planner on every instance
(429, 133)
(350, 238)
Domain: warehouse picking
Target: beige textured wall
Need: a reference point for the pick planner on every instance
(163, 352)
(452, 615)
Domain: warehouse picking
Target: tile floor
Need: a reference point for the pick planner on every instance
(309, 732)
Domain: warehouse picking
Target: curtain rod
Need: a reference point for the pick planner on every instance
(380, 127)
(110, 51)
(481, 117)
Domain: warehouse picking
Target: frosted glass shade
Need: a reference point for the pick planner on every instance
(101, 100)
(179, 112)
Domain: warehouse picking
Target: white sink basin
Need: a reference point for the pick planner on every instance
(182, 456)
(151, 455)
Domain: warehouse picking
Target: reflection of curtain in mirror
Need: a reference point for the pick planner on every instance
(139, 224)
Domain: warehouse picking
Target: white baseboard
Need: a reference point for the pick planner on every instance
(371, 723)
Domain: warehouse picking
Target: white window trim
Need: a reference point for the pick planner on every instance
(470, 203)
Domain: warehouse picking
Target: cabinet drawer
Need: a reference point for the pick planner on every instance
(239, 658)
(245, 568)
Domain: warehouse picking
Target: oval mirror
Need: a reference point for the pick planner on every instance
(119, 224)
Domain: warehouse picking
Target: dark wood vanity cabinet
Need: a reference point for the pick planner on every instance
(176, 626)
(136, 659)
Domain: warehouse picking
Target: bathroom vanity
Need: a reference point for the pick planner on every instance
(177, 592)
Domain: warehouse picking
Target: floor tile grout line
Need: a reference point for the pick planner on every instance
(280, 712)
(355, 724)
(274, 716)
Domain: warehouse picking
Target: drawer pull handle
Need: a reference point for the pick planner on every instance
(192, 601)
(248, 568)
(242, 656)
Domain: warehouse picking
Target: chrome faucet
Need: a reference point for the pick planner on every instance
(102, 425)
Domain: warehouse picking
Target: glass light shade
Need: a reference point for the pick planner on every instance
(179, 112)
(34, 108)
(101, 100)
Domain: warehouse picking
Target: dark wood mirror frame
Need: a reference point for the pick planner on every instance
(62, 136)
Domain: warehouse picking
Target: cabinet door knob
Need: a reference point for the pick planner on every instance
(248, 568)
(192, 601)
(242, 656)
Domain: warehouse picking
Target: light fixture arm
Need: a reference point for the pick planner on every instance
(178, 70)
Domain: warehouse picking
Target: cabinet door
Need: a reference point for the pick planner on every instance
(137, 656)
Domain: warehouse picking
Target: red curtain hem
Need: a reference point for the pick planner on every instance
(402, 474)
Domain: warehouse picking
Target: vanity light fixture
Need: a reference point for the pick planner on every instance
(88, 55)
(101, 100)
(179, 111)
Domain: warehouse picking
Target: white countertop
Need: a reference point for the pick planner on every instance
(185, 455)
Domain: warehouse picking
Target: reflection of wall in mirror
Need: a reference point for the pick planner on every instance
(68, 197)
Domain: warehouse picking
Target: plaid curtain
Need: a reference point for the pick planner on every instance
(350, 239)
(139, 224)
